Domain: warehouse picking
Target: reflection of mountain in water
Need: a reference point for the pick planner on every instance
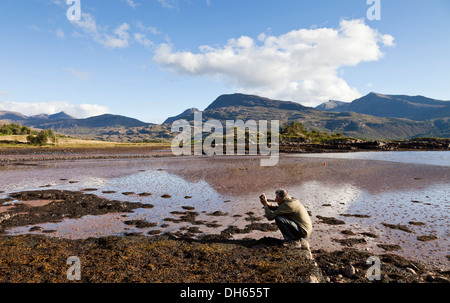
(238, 176)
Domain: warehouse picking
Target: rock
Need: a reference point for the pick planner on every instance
(385, 278)
(349, 271)
(313, 279)
(432, 277)
(411, 271)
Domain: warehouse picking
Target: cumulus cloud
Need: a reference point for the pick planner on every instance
(119, 38)
(302, 65)
(79, 111)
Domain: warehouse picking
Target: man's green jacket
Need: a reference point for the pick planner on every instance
(294, 210)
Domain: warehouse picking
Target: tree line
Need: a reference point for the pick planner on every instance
(33, 137)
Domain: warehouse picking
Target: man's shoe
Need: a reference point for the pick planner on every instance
(305, 246)
(292, 244)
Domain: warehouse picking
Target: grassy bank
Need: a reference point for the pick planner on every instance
(20, 142)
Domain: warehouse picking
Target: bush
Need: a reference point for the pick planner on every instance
(296, 130)
(14, 129)
(42, 137)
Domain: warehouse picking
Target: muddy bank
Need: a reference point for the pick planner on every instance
(14, 156)
(105, 150)
(167, 259)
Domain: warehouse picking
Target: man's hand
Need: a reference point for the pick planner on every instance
(263, 199)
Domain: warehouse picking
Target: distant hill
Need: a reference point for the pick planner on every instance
(250, 107)
(12, 116)
(106, 120)
(90, 128)
(332, 104)
(374, 116)
(187, 112)
(242, 100)
(417, 108)
(61, 116)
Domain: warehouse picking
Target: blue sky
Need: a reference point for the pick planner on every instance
(150, 59)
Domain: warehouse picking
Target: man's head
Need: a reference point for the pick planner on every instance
(280, 194)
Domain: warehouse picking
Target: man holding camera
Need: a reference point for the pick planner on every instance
(291, 218)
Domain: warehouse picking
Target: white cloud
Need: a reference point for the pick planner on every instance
(147, 29)
(79, 111)
(33, 27)
(131, 3)
(302, 65)
(142, 39)
(4, 93)
(168, 3)
(79, 74)
(118, 39)
(60, 34)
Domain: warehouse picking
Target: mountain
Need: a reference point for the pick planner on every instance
(332, 105)
(61, 116)
(417, 108)
(11, 116)
(89, 128)
(250, 107)
(187, 112)
(250, 101)
(45, 117)
(374, 116)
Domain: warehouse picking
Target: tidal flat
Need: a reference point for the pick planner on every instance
(359, 207)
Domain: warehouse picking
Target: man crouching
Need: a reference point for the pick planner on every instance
(291, 218)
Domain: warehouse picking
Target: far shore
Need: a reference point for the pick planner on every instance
(77, 149)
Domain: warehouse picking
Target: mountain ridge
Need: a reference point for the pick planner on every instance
(333, 119)
(417, 108)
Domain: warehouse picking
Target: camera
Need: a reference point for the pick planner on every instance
(261, 197)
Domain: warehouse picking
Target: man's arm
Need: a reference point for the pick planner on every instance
(279, 211)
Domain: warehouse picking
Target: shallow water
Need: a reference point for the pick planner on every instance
(383, 190)
(439, 158)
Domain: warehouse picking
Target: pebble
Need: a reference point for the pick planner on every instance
(411, 271)
(313, 279)
(349, 271)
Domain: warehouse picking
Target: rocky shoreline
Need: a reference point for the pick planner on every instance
(14, 156)
(174, 257)
(353, 145)
(168, 259)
